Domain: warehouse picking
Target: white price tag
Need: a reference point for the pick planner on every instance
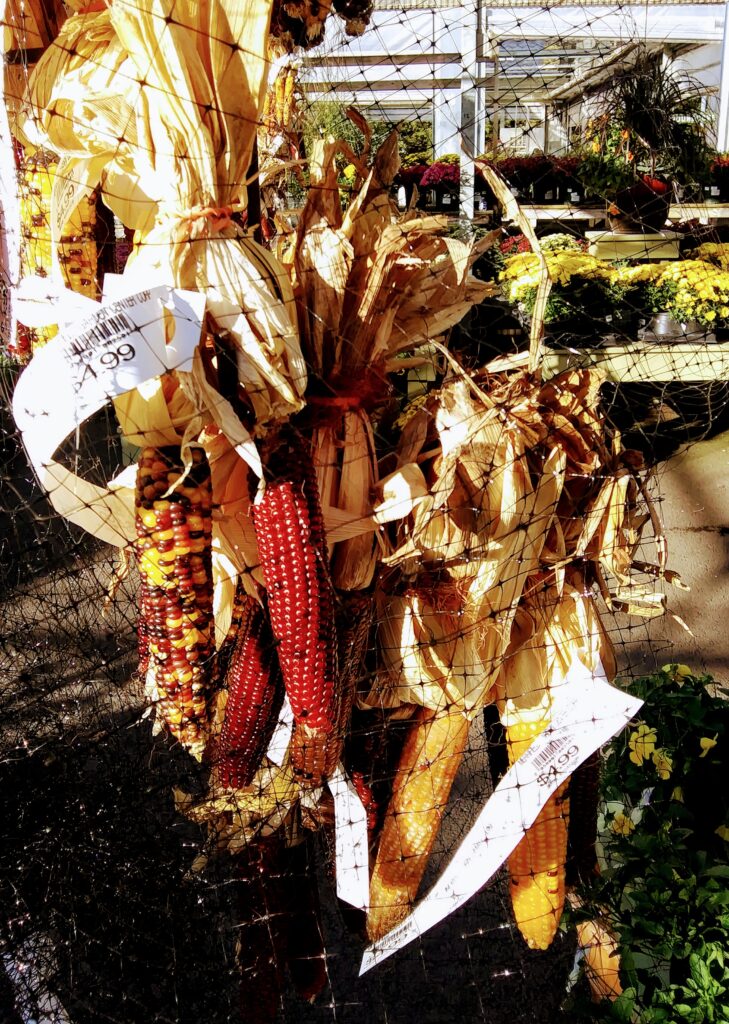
(120, 346)
(351, 841)
(586, 712)
(281, 738)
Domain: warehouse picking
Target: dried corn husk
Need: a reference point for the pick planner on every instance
(174, 137)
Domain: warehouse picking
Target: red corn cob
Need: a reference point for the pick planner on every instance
(291, 542)
(255, 695)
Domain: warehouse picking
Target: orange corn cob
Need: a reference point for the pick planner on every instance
(537, 865)
(291, 542)
(174, 555)
(428, 765)
(255, 694)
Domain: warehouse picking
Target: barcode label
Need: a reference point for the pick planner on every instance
(102, 333)
(552, 748)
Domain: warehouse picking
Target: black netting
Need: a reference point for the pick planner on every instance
(429, 296)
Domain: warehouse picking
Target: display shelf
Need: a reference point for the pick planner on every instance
(640, 362)
(612, 245)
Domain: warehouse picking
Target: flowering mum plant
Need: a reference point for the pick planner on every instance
(445, 171)
(664, 854)
(687, 289)
(583, 286)
(411, 174)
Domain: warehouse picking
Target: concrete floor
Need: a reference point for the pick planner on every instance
(693, 488)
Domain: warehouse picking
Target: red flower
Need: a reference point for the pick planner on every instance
(441, 174)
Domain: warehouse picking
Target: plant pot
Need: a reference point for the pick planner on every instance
(639, 209)
(663, 328)
(546, 191)
(447, 198)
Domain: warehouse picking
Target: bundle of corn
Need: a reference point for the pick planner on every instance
(502, 495)
(280, 103)
(169, 142)
(369, 284)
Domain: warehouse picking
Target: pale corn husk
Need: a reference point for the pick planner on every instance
(353, 565)
(423, 652)
(369, 284)
(187, 123)
(235, 818)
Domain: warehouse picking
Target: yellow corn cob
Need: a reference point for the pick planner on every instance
(537, 865)
(35, 249)
(174, 553)
(602, 960)
(77, 252)
(428, 765)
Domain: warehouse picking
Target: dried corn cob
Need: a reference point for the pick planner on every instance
(602, 960)
(290, 532)
(537, 865)
(255, 694)
(174, 555)
(428, 765)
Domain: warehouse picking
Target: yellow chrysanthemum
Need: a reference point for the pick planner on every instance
(642, 743)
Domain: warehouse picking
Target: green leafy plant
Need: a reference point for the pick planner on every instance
(664, 828)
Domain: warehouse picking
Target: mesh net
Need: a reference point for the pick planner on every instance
(307, 531)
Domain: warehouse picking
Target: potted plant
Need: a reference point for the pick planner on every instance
(584, 295)
(444, 178)
(409, 177)
(571, 189)
(653, 137)
(664, 857)
(684, 297)
(718, 184)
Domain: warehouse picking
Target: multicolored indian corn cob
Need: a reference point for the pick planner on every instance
(428, 765)
(255, 695)
(537, 865)
(174, 557)
(292, 546)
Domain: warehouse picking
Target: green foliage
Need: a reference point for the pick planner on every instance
(604, 174)
(665, 856)
(416, 142)
(328, 117)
